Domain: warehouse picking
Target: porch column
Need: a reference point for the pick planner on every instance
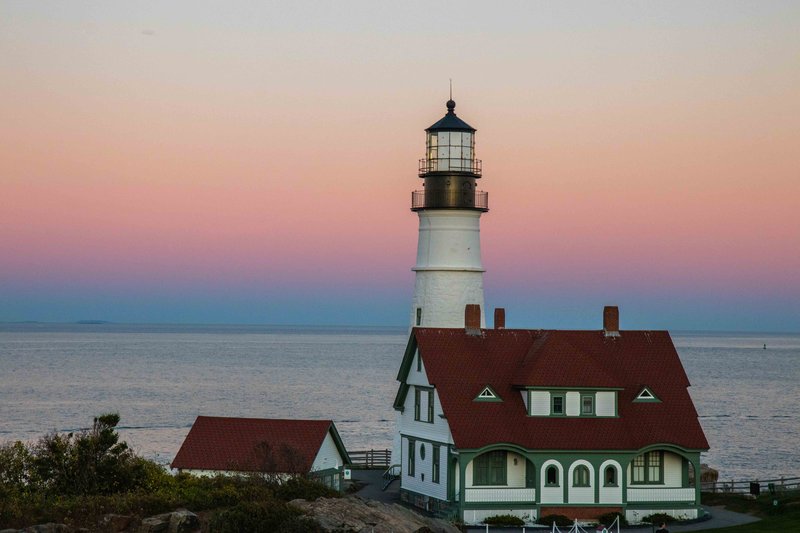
(697, 484)
(463, 460)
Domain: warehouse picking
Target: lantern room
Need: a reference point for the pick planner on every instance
(450, 145)
(450, 169)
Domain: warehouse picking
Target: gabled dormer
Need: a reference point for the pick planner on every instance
(487, 394)
(646, 395)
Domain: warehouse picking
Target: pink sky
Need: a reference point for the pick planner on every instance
(184, 163)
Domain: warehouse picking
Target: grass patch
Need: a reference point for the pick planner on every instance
(785, 516)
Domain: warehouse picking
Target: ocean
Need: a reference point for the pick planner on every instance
(57, 377)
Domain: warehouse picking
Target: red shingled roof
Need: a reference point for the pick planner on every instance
(252, 444)
(459, 365)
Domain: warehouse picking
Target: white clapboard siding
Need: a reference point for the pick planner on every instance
(499, 495)
(327, 456)
(661, 495)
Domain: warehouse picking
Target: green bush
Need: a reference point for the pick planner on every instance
(262, 517)
(559, 519)
(658, 518)
(307, 489)
(504, 520)
(608, 519)
(76, 478)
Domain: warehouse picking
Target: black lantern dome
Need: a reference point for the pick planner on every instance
(450, 121)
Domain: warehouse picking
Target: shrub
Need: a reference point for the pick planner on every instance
(559, 519)
(608, 519)
(658, 518)
(307, 489)
(504, 520)
(262, 517)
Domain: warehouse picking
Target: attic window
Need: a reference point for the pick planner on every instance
(646, 395)
(488, 395)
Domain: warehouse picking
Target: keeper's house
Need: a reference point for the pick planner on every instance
(539, 422)
(272, 447)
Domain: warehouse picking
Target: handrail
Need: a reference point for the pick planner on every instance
(745, 486)
(370, 458)
(391, 473)
(454, 164)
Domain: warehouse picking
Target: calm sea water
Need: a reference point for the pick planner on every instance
(160, 377)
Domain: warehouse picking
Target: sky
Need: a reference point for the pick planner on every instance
(252, 162)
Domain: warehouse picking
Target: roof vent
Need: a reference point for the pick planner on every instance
(472, 319)
(611, 321)
(499, 318)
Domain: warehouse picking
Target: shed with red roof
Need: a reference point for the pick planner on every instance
(261, 445)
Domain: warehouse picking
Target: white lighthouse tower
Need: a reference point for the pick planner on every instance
(449, 273)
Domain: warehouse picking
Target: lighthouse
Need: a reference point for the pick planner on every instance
(449, 273)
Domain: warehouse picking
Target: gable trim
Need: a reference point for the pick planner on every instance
(646, 396)
(337, 440)
(402, 374)
(487, 394)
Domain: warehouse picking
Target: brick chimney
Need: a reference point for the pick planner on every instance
(472, 318)
(499, 318)
(611, 321)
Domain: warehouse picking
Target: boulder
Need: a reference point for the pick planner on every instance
(115, 523)
(156, 524)
(184, 521)
(49, 528)
(362, 516)
(180, 521)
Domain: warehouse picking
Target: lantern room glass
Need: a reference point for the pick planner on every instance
(451, 150)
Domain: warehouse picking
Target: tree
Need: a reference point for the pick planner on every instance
(90, 462)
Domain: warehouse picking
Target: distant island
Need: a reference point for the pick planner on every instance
(93, 322)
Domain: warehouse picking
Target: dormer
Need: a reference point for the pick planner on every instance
(570, 401)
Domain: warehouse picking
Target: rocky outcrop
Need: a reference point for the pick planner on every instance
(180, 521)
(45, 528)
(352, 514)
(115, 523)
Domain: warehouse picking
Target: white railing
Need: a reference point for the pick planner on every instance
(500, 495)
(661, 495)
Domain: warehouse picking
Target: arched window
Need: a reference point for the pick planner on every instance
(489, 468)
(610, 477)
(551, 476)
(648, 468)
(580, 476)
